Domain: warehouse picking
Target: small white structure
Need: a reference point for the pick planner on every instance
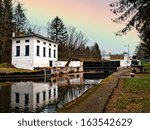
(33, 50)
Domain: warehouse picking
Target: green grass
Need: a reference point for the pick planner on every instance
(146, 66)
(6, 65)
(8, 68)
(134, 95)
(138, 84)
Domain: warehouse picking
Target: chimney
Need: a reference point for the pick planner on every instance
(13, 34)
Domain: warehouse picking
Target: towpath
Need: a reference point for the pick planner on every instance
(96, 99)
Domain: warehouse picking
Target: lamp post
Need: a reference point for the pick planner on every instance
(128, 49)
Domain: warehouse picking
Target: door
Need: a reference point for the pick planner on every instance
(50, 63)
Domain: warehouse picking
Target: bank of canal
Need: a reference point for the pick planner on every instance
(95, 99)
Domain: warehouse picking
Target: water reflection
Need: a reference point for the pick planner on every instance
(42, 96)
(32, 96)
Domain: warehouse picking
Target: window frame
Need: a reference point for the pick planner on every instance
(44, 51)
(27, 53)
(17, 50)
(54, 53)
(37, 50)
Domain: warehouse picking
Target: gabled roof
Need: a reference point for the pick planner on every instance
(31, 34)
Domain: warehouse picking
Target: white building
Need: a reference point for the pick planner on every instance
(32, 50)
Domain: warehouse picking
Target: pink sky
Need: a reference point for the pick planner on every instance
(92, 17)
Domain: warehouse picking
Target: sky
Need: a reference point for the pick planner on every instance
(92, 17)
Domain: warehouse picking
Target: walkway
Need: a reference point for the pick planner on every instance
(96, 100)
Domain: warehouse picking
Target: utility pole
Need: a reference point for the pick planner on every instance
(128, 51)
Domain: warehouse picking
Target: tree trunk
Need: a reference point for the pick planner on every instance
(6, 51)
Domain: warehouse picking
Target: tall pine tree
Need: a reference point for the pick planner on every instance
(96, 51)
(58, 33)
(6, 29)
(19, 18)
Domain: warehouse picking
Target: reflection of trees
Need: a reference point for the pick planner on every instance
(0, 52)
(69, 92)
(5, 97)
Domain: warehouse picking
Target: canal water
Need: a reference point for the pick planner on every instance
(41, 96)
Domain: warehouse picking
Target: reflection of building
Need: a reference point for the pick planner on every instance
(30, 96)
(70, 80)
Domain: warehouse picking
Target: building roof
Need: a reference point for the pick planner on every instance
(31, 34)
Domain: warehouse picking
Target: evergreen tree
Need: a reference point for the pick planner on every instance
(1, 29)
(145, 44)
(96, 51)
(19, 18)
(137, 12)
(134, 12)
(1, 18)
(58, 33)
(139, 52)
(6, 29)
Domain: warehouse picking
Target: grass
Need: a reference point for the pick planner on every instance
(136, 94)
(6, 65)
(8, 68)
(138, 84)
(132, 95)
(146, 66)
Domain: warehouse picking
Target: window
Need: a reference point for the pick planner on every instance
(44, 43)
(49, 44)
(38, 98)
(38, 50)
(17, 98)
(27, 40)
(49, 52)
(44, 51)
(54, 92)
(44, 95)
(18, 41)
(27, 49)
(38, 41)
(49, 94)
(26, 99)
(54, 53)
(17, 50)
(54, 45)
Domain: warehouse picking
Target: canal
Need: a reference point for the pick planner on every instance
(44, 96)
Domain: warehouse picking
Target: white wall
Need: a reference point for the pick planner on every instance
(40, 61)
(22, 61)
(124, 63)
(31, 61)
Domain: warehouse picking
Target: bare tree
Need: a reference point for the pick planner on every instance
(76, 42)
